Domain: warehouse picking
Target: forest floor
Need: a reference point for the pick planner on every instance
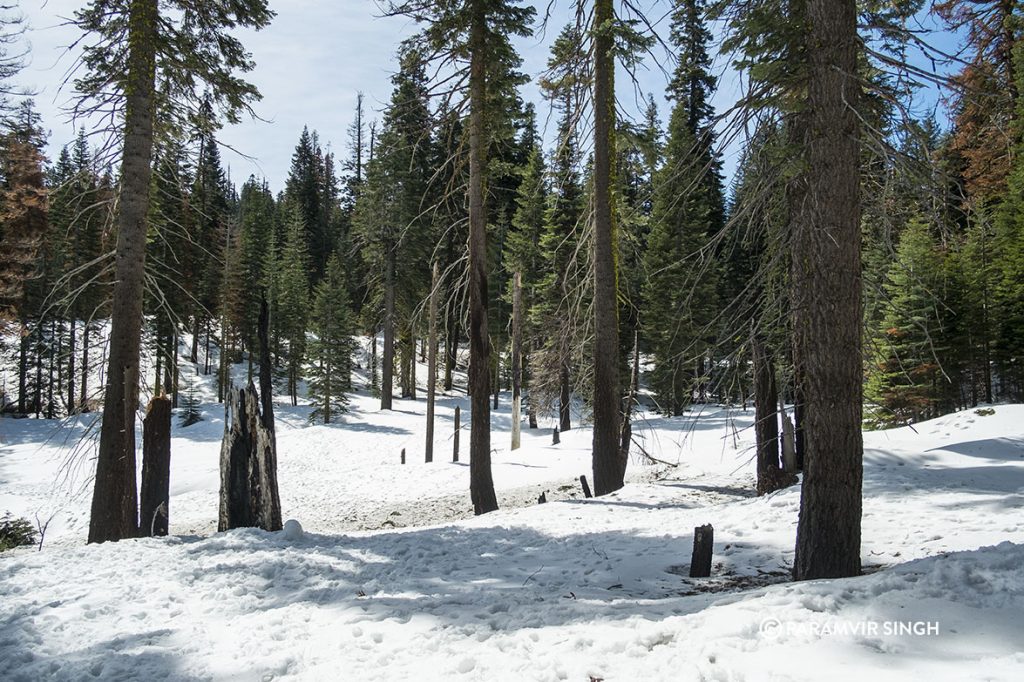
(393, 579)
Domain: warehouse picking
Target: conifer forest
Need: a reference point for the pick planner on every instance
(490, 339)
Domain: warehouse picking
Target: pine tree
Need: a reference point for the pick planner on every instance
(393, 218)
(556, 308)
(681, 288)
(907, 381)
(23, 205)
(292, 294)
(331, 348)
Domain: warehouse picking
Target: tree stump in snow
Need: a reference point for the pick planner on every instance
(555, 438)
(156, 468)
(586, 487)
(403, 455)
(543, 498)
(703, 544)
(248, 466)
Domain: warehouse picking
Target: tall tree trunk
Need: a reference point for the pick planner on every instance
(388, 362)
(53, 349)
(22, 370)
(432, 363)
(517, 359)
(827, 298)
(39, 371)
(115, 507)
(72, 357)
(412, 367)
(609, 466)
(481, 484)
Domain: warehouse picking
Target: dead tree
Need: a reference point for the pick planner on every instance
(156, 468)
(248, 458)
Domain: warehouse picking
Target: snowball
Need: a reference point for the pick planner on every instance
(292, 530)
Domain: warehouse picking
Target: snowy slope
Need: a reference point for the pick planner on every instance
(569, 590)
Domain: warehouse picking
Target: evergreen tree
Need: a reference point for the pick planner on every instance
(331, 348)
(907, 381)
(292, 295)
(681, 288)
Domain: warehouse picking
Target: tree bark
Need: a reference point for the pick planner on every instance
(115, 508)
(609, 466)
(481, 484)
(432, 363)
(156, 468)
(827, 301)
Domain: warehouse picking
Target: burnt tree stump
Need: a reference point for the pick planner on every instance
(156, 468)
(586, 487)
(703, 544)
(248, 455)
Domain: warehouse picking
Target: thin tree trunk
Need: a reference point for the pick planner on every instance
(72, 357)
(626, 438)
(194, 357)
(481, 483)
(158, 370)
(564, 399)
(174, 368)
(517, 360)
(39, 371)
(609, 466)
(827, 296)
(432, 363)
(388, 364)
(451, 348)
(22, 370)
(412, 367)
(52, 350)
(766, 421)
(115, 506)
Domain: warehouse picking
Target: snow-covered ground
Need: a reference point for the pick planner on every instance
(393, 579)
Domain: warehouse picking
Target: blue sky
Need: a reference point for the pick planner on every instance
(310, 63)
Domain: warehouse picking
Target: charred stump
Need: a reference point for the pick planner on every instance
(156, 468)
(703, 544)
(248, 457)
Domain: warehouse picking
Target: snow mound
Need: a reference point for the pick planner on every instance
(293, 531)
